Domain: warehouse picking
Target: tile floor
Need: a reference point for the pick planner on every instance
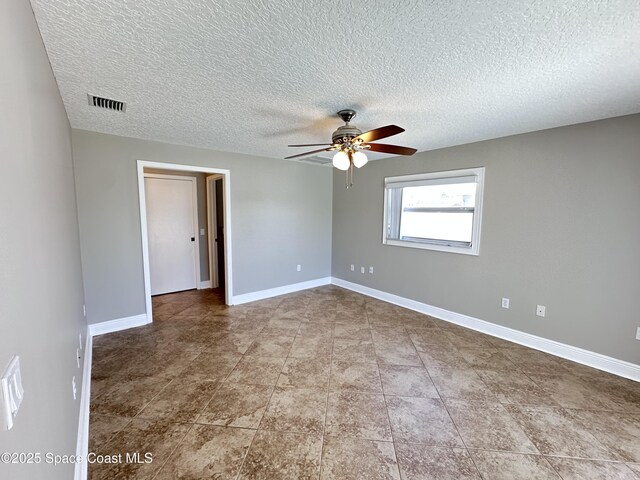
(330, 384)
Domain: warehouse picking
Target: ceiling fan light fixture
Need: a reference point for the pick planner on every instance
(341, 161)
(359, 159)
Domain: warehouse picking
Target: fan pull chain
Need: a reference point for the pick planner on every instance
(349, 174)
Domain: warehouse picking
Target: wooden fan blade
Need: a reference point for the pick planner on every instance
(395, 149)
(308, 153)
(311, 145)
(379, 133)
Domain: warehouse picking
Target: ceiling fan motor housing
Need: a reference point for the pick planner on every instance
(345, 131)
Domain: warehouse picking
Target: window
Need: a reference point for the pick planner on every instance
(436, 211)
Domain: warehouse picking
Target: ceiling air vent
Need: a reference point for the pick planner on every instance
(109, 104)
(315, 160)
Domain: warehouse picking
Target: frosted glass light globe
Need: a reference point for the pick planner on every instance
(341, 161)
(359, 159)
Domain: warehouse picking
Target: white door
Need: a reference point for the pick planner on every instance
(171, 229)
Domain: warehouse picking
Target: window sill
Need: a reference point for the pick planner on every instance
(473, 250)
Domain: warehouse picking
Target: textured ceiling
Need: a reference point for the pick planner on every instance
(254, 76)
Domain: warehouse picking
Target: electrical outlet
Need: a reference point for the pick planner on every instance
(84, 310)
(541, 310)
(353, 267)
(202, 232)
(299, 267)
(505, 302)
(371, 270)
(638, 333)
(78, 356)
(73, 386)
(362, 270)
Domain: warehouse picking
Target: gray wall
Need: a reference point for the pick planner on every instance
(560, 228)
(40, 276)
(281, 217)
(203, 240)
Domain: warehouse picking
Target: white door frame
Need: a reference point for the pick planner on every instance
(212, 221)
(194, 201)
(228, 258)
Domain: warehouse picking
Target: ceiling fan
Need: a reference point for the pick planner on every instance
(349, 143)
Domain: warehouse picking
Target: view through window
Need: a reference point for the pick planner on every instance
(439, 211)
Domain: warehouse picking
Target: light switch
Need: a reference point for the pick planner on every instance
(12, 393)
(202, 232)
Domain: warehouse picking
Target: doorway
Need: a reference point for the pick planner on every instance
(153, 185)
(215, 221)
(172, 222)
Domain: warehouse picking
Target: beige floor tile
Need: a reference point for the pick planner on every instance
(534, 361)
(635, 467)
(208, 452)
(237, 343)
(295, 410)
(358, 415)
(129, 396)
(460, 384)
(236, 405)
(515, 387)
(443, 356)
(401, 354)
(488, 426)
(424, 340)
(350, 350)
(311, 347)
(305, 373)
(490, 358)
(380, 371)
(316, 331)
(357, 459)
(407, 381)
(361, 377)
(410, 415)
(257, 370)
(619, 432)
(264, 346)
(422, 462)
(576, 469)
(509, 466)
(212, 365)
(182, 400)
(282, 456)
(279, 327)
(157, 438)
(466, 338)
(354, 332)
(103, 427)
(574, 392)
(555, 432)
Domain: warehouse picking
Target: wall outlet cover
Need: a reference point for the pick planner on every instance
(505, 303)
(541, 310)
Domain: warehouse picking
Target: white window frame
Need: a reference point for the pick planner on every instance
(425, 179)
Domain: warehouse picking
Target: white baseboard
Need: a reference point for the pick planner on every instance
(579, 355)
(274, 292)
(205, 284)
(118, 324)
(82, 446)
